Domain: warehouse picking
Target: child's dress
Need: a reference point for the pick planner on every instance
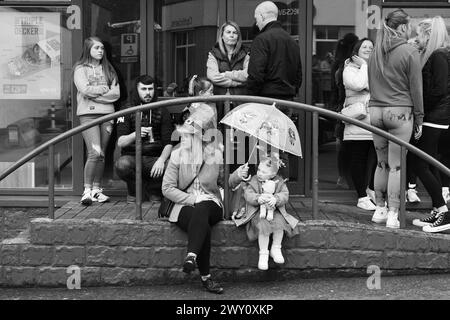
(281, 221)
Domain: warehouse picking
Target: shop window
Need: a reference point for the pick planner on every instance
(184, 55)
(35, 93)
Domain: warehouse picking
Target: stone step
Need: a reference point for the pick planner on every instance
(128, 252)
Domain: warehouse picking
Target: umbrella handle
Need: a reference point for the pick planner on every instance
(252, 153)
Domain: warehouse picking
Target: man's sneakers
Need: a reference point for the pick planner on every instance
(98, 196)
(430, 219)
(441, 224)
(380, 215)
(366, 204)
(411, 195)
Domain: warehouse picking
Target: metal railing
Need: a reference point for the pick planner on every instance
(316, 111)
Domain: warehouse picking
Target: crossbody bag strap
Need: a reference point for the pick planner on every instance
(196, 176)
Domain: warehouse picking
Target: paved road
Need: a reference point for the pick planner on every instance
(406, 287)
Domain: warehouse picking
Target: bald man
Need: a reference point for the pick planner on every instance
(275, 68)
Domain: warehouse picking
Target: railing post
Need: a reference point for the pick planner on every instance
(315, 166)
(138, 206)
(51, 181)
(226, 191)
(402, 215)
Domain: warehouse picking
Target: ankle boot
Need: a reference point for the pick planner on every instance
(263, 263)
(275, 253)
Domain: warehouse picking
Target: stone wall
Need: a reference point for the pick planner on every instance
(135, 253)
(15, 220)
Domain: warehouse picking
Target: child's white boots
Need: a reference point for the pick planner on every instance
(275, 253)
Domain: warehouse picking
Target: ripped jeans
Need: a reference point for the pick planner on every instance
(398, 121)
(96, 140)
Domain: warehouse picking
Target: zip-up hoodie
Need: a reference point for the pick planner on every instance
(401, 83)
(91, 97)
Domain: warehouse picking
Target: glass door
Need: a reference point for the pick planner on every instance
(118, 24)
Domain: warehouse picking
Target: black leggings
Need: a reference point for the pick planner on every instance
(444, 152)
(197, 222)
(428, 174)
(363, 162)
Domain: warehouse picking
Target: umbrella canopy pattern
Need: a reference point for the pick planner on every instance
(266, 123)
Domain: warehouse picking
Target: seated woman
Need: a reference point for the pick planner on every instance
(191, 182)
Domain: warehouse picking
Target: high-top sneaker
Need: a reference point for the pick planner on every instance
(442, 223)
(430, 219)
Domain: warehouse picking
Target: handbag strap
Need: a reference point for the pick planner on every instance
(196, 176)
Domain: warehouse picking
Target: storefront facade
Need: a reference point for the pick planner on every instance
(168, 39)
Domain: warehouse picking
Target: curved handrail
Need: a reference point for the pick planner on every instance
(227, 98)
(187, 100)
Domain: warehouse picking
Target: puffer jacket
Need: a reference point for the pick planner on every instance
(356, 83)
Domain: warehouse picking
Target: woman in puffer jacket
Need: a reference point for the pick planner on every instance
(359, 142)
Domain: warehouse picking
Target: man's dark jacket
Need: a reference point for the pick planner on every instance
(275, 68)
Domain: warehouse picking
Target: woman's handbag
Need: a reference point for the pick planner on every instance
(165, 208)
(355, 110)
(167, 205)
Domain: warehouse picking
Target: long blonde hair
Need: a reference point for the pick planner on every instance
(220, 40)
(386, 34)
(436, 31)
(194, 151)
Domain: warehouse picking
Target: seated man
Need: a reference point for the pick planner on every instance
(156, 135)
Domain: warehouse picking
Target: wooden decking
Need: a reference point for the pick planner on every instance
(114, 210)
(299, 207)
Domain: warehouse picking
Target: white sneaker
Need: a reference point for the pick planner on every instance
(366, 204)
(86, 198)
(446, 194)
(263, 263)
(411, 196)
(371, 195)
(380, 215)
(275, 253)
(392, 220)
(97, 195)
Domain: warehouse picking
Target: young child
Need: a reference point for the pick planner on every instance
(260, 227)
(199, 86)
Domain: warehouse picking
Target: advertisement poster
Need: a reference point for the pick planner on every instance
(30, 55)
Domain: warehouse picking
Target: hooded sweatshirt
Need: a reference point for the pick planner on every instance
(401, 83)
(91, 97)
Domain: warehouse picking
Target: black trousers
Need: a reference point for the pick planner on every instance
(363, 160)
(197, 221)
(428, 174)
(444, 152)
